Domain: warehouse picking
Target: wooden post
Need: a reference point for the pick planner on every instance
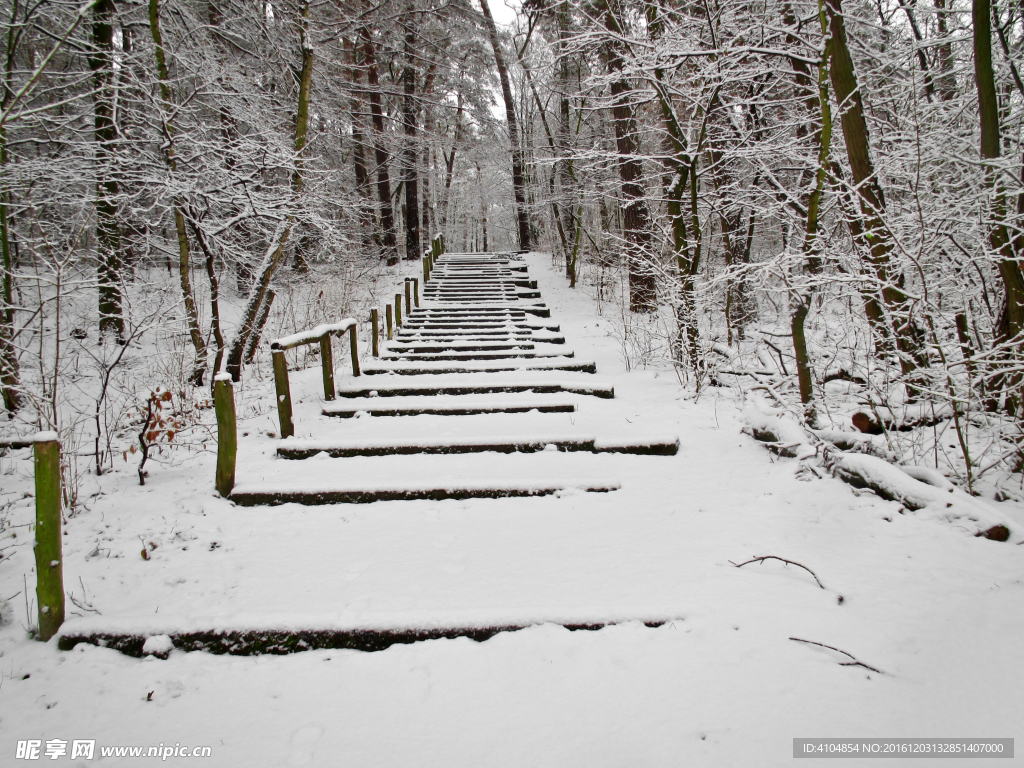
(375, 330)
(327, 360)
(354, 348)
(284, 394)
(49, 560)
(227, 435)
(389, 312)
(416, 291)
(398, 311)
(408, 297)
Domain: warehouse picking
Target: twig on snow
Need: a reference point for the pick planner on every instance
(762, 558)
(855, 663)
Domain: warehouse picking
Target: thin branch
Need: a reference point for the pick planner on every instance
(762, 558)
(855, 663)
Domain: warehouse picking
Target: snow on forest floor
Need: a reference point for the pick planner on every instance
(939, 612)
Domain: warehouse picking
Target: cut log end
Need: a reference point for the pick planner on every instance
(866, 423)
(995, 533)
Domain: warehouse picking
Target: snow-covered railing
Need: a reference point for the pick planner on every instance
(320, 334)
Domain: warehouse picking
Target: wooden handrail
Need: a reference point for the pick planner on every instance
(321, 335)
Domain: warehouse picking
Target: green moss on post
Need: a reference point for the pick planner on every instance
(375, 330)
(284, 393)
(354, 348)
(49, 560)
(390, 321)
(227, 434)
(327, 360)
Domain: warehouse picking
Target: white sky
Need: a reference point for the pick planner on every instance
(501, 11)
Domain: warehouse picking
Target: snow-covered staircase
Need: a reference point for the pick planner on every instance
(480, 347)
(477, 396)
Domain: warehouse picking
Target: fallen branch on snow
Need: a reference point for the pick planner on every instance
(855, 663)
(762, 558)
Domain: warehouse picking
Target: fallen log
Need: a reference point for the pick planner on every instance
(881, 419)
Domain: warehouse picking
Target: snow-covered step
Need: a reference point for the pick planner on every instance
(288, 633)
(415, 368)
(460, 406)
(457, 346)
(294, 448)
(306, 493)
(477, 387)
(469, 356)
(539, 310)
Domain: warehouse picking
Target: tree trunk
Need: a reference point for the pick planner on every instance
(275, 251)
(108, 240)
(358, 118)
(636, 218)
(9, 368)
(518, 175)
(301, 127)
(678, 163)
(946, 81)
(410, 177)
(1011, 318)
(389, 251)
(184, 252)
(568, 188)
(450, 164)
(872, 202)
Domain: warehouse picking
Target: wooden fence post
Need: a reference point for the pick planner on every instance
(416, 290)
(327, 360)
(374, 323)
(398, 311)
(49, 560)
(426, 268)
(408, 296)
(284, 394)
(354, 348)
(389, 312)
(227, 434)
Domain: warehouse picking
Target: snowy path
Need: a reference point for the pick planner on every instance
(719, 684)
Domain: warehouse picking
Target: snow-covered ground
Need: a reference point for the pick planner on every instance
(721, 683)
